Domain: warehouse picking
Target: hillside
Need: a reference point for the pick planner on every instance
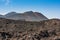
(27, 16)
(27, 30)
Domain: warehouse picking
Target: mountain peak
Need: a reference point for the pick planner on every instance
(27, 16)
(10, 13)
(29, 12)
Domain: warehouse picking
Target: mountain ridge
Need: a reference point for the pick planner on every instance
(27, 16)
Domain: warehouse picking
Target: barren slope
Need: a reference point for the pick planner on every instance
(27, 16)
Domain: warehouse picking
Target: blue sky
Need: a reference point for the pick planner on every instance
(49, 8)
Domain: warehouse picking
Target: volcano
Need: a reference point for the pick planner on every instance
(26, 16)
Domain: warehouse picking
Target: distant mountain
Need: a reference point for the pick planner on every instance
(1, 16)
(10, 14)
(27, 16)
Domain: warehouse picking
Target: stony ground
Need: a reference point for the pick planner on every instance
(22, 30)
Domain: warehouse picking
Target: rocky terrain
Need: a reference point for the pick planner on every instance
(29, 30)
